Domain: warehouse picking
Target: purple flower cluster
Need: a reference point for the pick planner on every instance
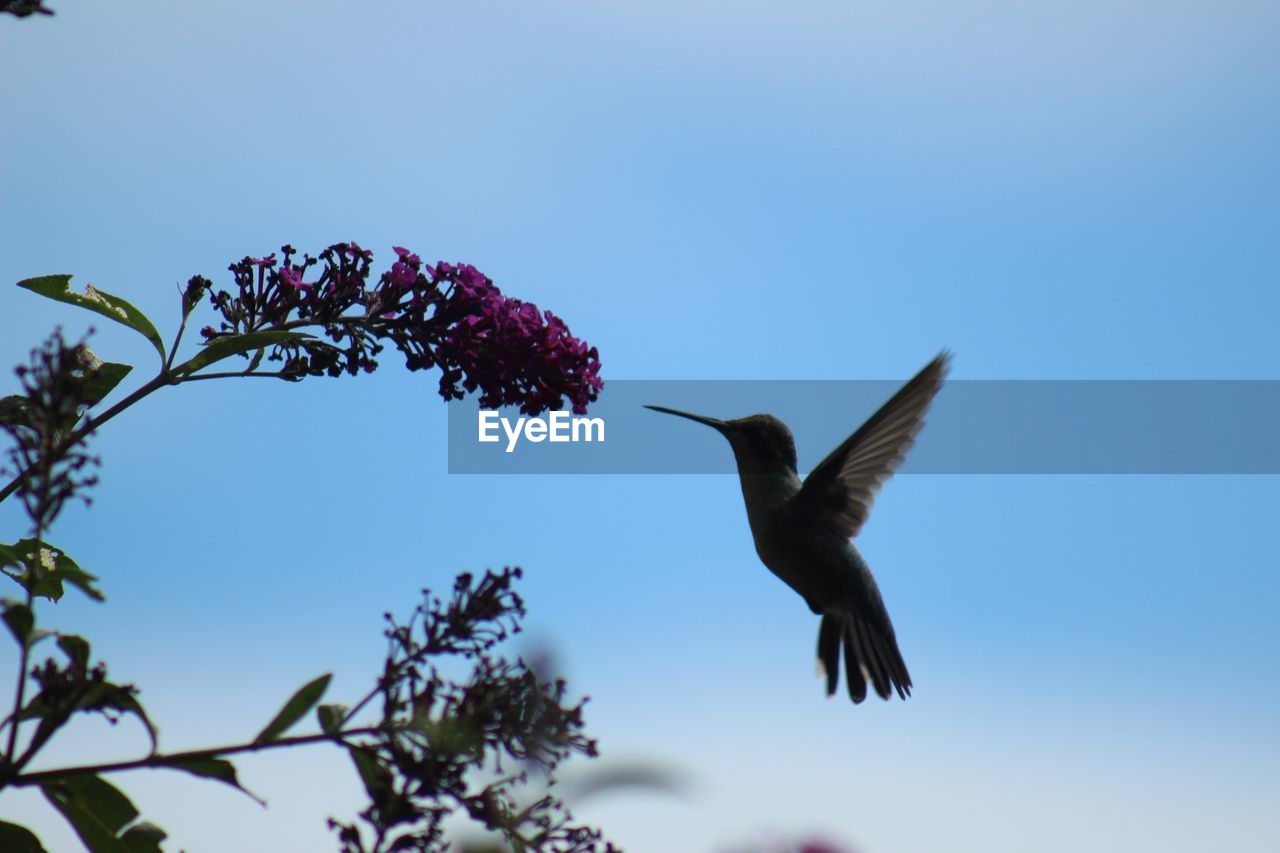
(449, 316)
(511, 351)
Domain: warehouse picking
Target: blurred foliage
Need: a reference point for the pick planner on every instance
(484, 745)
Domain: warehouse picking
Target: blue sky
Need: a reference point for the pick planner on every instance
(719, 191)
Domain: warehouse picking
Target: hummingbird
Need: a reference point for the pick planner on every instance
(802, 530)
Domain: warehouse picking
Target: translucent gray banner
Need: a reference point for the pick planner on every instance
(974, 427)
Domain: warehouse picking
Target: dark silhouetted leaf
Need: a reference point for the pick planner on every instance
(295, 709)
(85, 694)
(126, 703)
(96, 810)
(144, 837)
(19, 839)
(221, 348)
(376, 778)
(113, 307)
(103, 381)
(10, 556)
(55, 568)
(20, 620)
(41, 582)
(330, 717)
(76, 649)
(67, 570)
(13, 409)
(214, 768)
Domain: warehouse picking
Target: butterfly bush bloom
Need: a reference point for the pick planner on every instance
(449, 316)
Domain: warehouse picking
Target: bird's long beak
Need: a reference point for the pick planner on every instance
(715, 423)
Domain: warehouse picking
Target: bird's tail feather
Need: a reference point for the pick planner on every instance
(869, 656)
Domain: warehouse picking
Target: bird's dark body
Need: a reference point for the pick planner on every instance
(803, 551)
(802, 530)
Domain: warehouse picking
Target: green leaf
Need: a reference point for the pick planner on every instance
(75, 648)
(330, 718)
(104, 380)
(10, 556)
(13, 409)
(47, 586)
(127, 704)
(376, 778)
(144, 837)
(22, 624)
(19, 839)
(295, 709)
(213, 768)
(96, 810)
(220, 348)
(82, 695)
(20, 620)
(55, 568)
(113, 307)
(36, 577)
(105, 694)
(66, 569)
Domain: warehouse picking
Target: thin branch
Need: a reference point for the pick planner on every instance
(162, 762)
(229, 375)
(24, 658)
(177, 339)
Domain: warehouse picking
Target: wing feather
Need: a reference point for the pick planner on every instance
(844, 485)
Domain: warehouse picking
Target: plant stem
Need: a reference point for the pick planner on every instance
(161, 762)
(24, 657)
(168, 375)
(177, 339)
(227, 375)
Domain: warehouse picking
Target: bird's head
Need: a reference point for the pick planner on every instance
(761, 443)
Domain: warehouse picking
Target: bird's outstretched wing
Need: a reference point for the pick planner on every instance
(844, 485)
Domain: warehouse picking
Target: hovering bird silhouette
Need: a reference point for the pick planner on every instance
(803, 530)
